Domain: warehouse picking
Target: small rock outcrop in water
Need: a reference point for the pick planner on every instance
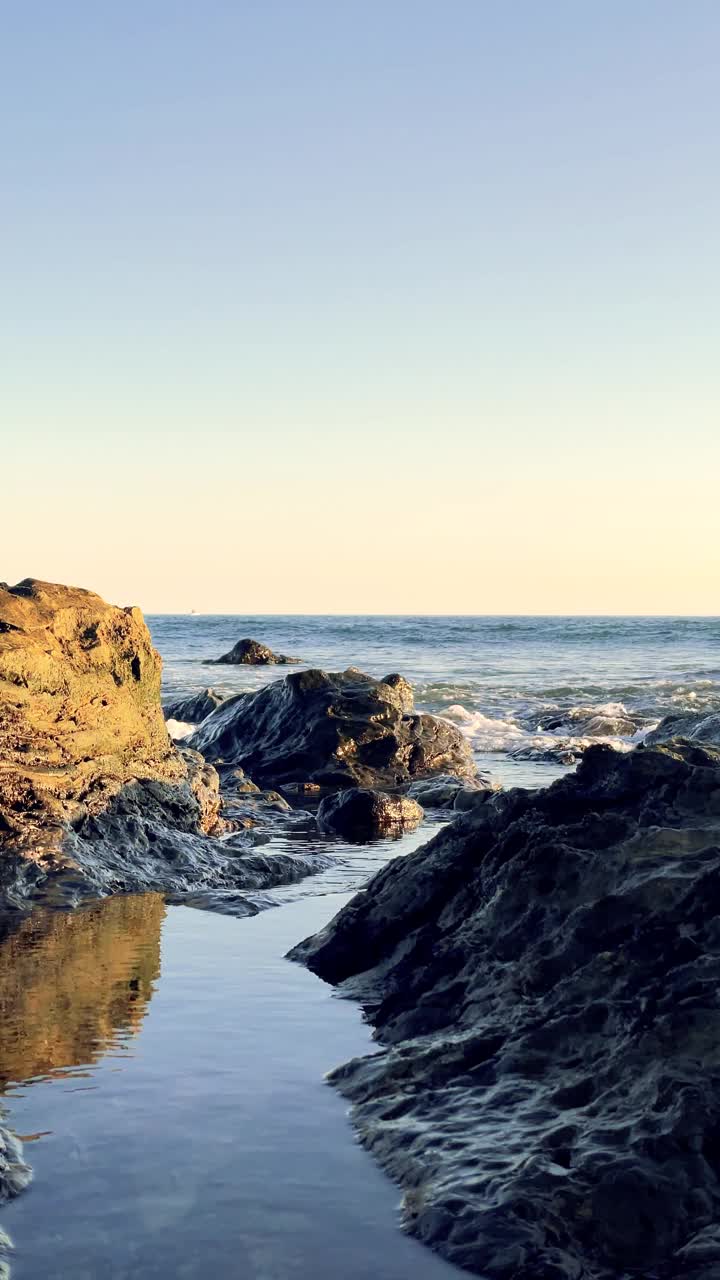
(451, 793)
(250, 653)
(546, 975)
(694, 726)
(94, 797)
(338, 729)
(366, 815)
(194, 709)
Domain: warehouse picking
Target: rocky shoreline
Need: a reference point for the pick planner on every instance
(95, 798)
(542, 975)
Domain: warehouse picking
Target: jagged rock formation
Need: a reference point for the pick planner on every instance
(359, 814)
(94, 797)
(250, 653)
(694, 726)
(337, 729)
(79, 710)
(545, 974)
(195, 708)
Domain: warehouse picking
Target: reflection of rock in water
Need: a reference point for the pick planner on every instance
(73, 983)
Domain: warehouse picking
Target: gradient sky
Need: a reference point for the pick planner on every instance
(392, 306)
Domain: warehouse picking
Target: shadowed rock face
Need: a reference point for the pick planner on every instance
(337, 729)
(196, 708)
(546, 976)
(250, 653)
(367, 815)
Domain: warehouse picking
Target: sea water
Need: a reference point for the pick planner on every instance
(530, 693)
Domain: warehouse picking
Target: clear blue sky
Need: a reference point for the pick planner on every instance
(384, 306)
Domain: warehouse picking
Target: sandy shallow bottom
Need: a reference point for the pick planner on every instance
(204, 1141)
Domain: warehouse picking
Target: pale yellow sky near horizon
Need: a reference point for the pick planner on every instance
(363, 309)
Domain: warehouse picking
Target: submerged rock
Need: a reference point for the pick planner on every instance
(451, 793)
(94, 797)
(545, 974)
(337, 729)
(251, 653)
(359, 814)
(195, 709)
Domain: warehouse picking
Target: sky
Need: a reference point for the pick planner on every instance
(347, 307)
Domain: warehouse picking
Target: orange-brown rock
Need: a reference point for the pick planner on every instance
(94, 797)
(80, 709)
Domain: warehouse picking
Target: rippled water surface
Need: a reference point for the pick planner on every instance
(519, 688)
(166, 1069)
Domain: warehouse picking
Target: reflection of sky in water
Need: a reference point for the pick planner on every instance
(201, 1140)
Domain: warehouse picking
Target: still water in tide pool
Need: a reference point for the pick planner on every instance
(165, 1067)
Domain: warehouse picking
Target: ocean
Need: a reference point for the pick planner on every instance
(530, 693)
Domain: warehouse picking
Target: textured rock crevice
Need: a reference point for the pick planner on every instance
(545, 976)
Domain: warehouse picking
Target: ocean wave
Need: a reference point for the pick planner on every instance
(609, 724)
(178, 730)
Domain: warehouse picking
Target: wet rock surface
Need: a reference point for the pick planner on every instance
(697, 726)
(94, 797)
(250, 653)
(336, 729)
(15, 1175)
(194, 709)
(545, 977)
(359, 814)
(451, 793)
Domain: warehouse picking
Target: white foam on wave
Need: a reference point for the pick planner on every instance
(500, 735)
(178, 729)
(485, 733)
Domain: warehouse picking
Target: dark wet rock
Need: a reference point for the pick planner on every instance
(334, 729)
(15, 1174)
(196, 708)
(697, 726)
(94, 797)
(359, 814)
(545, 977)
(452, 793)
(250, 653)
(564, 751)
(610, 720)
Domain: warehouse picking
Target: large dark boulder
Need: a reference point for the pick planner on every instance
(250, 653)
(358, 814)
(338, 729)
(195, 708)
(545, 976)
